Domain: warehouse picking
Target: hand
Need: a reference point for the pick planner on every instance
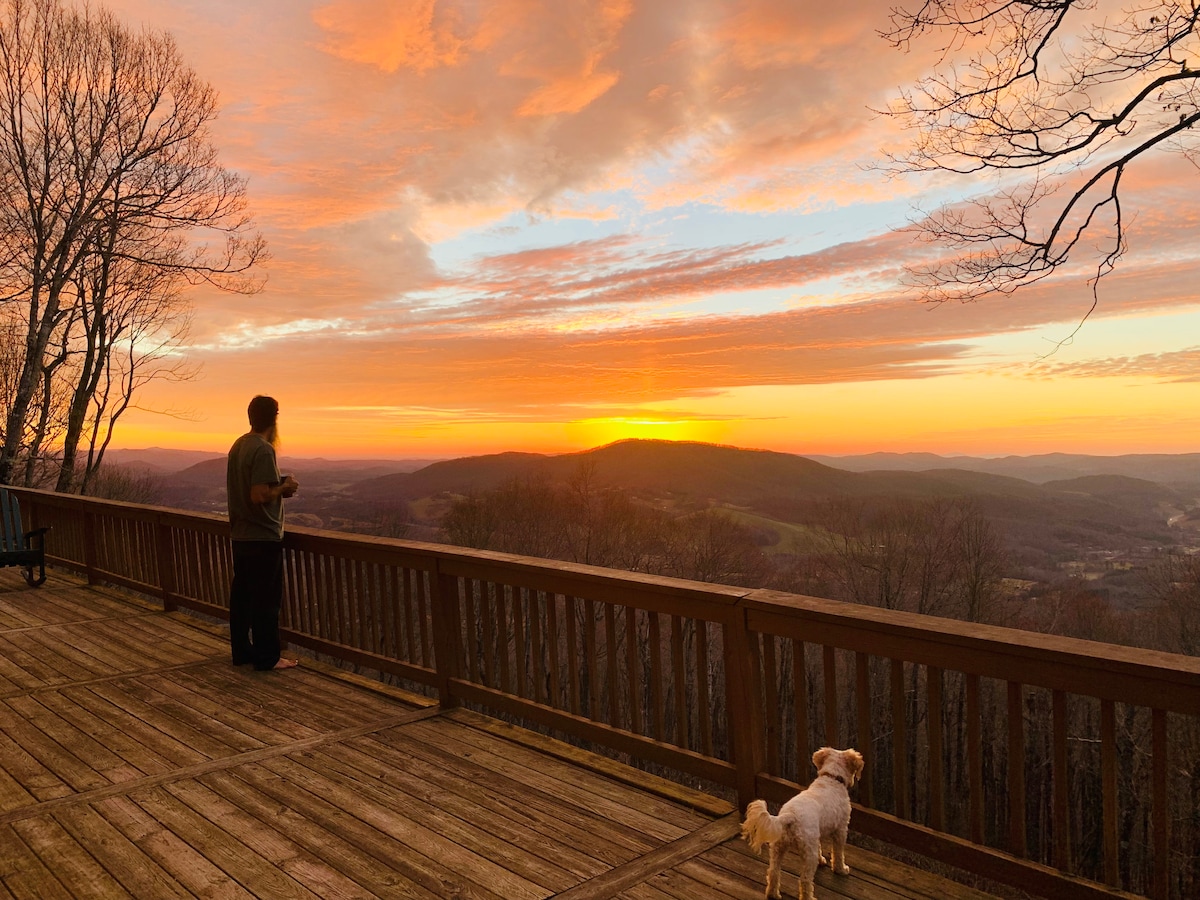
(288, 486)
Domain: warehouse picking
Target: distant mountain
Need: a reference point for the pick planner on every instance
(169, 462)
(322, 482)
(157, 459)
(1181, 469)
(678, 469)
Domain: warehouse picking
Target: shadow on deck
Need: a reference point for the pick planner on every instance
(136, 761)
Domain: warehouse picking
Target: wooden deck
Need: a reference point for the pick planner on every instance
(135, 760)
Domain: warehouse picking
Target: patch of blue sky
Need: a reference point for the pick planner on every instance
(519, 231)
(793, 231)
(693, 225)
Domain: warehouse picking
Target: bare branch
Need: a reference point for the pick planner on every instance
(1054, 89)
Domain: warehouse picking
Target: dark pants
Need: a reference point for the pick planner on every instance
(254, 602)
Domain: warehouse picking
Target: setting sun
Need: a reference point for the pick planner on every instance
(597, 432)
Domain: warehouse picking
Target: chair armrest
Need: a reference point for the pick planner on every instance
(39, 533)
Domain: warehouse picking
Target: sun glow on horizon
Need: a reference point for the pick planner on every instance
(608, 430)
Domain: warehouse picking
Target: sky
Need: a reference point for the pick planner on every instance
(545, 225)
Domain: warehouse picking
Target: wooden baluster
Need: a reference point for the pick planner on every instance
(899, 739)
(360, 603)
(1161, 812)
(391, 601)
(703, 701)
(426, 586)
(589, 652)
(770, 683)
(1108, 790)
(862, 694)
(553, 638)
(680, 679)
(1062, 783)
(408, 613)
(800, 707)
(572, 651)
(507, 636)
(612, 667)
(656, 676)
(937, 773)
(829, 677)
(974, 759)
(538, 636)
(471, 617)
(633, 671)
(1016, 770)
(520, 657)
(488, 617)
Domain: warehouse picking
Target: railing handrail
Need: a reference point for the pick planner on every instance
(1117, 672)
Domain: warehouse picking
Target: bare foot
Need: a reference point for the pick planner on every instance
(285, 663)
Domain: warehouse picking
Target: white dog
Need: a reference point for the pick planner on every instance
(818, 815)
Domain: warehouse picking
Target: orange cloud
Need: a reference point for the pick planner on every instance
(418, 35)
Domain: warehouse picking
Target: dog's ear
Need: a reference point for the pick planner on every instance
(854, 760)
(820, 756)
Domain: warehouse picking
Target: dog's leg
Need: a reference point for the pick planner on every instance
(822, 860)
(808, 871)
(838, 863)
(778, 852)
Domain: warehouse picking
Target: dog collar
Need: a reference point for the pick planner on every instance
(838, 778)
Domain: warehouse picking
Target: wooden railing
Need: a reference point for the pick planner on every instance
(1064, 767)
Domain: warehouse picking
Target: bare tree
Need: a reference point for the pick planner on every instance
(1057, 97)
(1173, 582)
(105, 158)
(712, 546)
(128, 321)
(936, 557)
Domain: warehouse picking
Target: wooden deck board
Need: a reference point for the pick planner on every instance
(648, 814)
(23, 874)
(535, 858)
(70, 862)
(137, 873)
(276, 847)
(136, 761)
(539, 798)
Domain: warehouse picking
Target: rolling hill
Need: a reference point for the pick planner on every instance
(676, 469)
(1175, 469)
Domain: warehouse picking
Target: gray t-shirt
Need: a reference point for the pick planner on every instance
(252, 461)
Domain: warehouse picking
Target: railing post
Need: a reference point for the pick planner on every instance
(89, 546)
(743, 704)
(446, 632)
(165, 559)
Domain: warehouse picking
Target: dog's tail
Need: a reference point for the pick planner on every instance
(760, 826)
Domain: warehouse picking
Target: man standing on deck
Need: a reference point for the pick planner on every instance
(256, 493)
